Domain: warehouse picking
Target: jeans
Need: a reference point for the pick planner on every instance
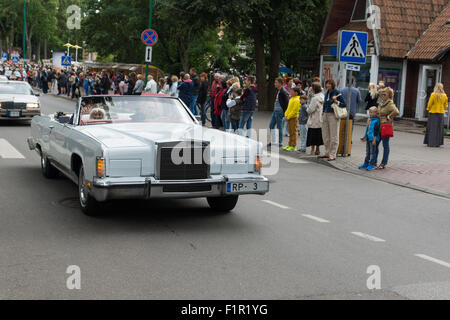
(194, 105)
(246, 120)
(277, 120)
(386, 150)
(303, 135)
(225, 122)
(203, 106)
(371, 153)
(235, 125)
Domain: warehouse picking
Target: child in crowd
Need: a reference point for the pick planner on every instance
(302, 120)
(291, 116)
(234, 104)
(372, 138)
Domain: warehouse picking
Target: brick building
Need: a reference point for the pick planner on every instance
(410, 50)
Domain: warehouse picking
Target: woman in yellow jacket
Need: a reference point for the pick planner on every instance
(438, 103)
(291, 115)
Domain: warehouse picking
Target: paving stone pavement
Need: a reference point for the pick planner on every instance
(411, 163)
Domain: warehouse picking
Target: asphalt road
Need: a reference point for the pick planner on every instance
(312, 237)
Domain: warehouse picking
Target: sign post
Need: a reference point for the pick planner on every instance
(352, 48)
(149, 26)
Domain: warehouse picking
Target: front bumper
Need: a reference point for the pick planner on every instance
(24, 114)
(148, 187)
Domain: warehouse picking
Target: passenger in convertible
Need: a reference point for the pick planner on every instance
(97, 114)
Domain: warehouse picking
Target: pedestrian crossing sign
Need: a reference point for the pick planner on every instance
(66, 61)
(352, 46)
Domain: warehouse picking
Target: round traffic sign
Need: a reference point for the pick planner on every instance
(149, 37)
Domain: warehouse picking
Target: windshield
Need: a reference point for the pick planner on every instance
(15, 88)
(100, 110)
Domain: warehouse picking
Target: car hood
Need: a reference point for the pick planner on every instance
(24, 98)
(144, 134)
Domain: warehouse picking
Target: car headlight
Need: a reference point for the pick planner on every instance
(32, 105)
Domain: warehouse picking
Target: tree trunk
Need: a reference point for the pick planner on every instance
(260, 64)
(45, 49)
(275, 57)
(38, 49)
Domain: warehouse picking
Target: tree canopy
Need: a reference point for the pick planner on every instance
(244, 37)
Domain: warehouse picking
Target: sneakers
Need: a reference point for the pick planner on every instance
(363, 166)
(289, 148)
(370, 168)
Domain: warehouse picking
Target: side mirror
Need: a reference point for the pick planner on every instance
(37, 94)
(64, 119)
(199, 118)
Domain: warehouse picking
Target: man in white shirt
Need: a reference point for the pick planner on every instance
(151, 86)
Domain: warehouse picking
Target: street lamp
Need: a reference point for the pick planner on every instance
(76, 51)
(68, 45)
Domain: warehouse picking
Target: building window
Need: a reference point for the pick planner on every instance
(359, 11)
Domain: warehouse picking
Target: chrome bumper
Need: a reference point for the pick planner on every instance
(24, 114)
(148, 187)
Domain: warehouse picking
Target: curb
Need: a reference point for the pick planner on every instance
(361, 174)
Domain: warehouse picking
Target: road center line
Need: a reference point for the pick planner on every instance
(367, 236)
(425, 257)
(315, 218)
(276, 204)
(7, 151)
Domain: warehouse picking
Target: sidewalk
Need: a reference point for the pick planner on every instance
(411, 163)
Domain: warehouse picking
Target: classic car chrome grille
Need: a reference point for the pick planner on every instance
(194, 168)
(10, 105)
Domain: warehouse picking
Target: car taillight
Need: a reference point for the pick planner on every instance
(101, 171)
(258, 164)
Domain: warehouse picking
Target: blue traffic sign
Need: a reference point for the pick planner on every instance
(149, 37)
(4, 55)
(66, 61)
(15, 59)
(352, 46)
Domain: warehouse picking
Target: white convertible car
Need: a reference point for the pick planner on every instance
(144, 147)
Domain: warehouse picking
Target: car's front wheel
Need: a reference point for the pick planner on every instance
(88, 204)
(48, 170)
(223, 204)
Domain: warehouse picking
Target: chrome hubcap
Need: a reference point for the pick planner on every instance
(83, 190)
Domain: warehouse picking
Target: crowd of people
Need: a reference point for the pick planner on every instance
(301, 108)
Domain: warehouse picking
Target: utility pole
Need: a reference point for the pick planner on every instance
(24, 29)
(149, 26)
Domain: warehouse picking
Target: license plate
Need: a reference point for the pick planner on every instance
(14, 114)
(238, 187)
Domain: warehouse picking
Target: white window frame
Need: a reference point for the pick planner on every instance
(365, 12)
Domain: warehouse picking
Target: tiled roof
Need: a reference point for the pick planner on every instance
(332, 39)
(435, 40)
(403, 22)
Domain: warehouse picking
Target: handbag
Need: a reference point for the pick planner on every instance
(387, 130)
(339, 113)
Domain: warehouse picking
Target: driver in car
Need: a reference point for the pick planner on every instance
(148, 112)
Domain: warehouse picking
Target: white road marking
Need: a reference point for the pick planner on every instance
(281, 156)
(315, 218)
(7, 151)
(442, 263)
(368, 237)
(276, 204)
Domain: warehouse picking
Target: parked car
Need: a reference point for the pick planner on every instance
(18, 101)
(144, 147)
